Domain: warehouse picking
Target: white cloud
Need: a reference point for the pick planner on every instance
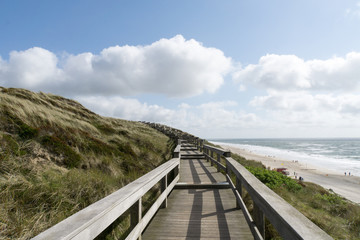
(174, 67)
(355, 11)
(306, 102)
(30, 69)
(205, 120)
(310, 112)
(129, 109)
(289, 72)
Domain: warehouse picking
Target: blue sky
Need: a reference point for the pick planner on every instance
(240, 68)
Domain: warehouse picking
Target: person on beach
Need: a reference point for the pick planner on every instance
(345, 173)
(349, 173)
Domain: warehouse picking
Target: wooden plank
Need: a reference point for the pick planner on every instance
(199, 213)
(222, 185)
(203, 214)
(199, 170)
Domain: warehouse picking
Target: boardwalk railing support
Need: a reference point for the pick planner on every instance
(163, 188)
(136, 214)
(94, 219)
(218, 159)
(259, 219)
(239, 190)
(288, 221)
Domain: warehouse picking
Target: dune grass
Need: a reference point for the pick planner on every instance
(56, 157)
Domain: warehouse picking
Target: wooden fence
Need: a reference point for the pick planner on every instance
(288, 221)
(94, 219)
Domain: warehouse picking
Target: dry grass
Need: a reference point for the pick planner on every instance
(56, 157)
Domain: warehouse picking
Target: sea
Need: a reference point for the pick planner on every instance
(337, 154)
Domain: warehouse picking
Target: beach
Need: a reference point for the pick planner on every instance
(346, 186)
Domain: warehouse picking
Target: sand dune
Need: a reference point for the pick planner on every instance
(346, 186)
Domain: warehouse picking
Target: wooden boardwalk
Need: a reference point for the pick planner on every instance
(198, 211)
(201, 205)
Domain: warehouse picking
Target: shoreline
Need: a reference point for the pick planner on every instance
(346, 186)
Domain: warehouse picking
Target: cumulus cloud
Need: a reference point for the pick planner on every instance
(289, 72)
(175, 67)
(31, 68)
(207, 119)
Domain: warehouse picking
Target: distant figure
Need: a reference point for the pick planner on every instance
(349, 173)
(345, 173)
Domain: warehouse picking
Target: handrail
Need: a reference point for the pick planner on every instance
(177, 150)
(288, 221)
(94, 219)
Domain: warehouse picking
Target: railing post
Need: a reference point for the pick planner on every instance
(176, 171)
(239, 189)
(164, 185)
(218, 159)
(136, 214)
(259, 219)
(211, 155)
(228, 169)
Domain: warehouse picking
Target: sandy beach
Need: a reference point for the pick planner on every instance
(346, 186)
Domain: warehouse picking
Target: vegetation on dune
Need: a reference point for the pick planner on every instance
(337, 216)
(57, 157)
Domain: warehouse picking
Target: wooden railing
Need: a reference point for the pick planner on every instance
(287, 220)
(94, 219)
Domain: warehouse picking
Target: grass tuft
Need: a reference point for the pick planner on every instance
(71, 159)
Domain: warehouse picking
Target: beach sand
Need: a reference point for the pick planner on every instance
(346, 186)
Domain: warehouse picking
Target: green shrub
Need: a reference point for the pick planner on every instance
(274, 179)
(332, 198)
(330, 202)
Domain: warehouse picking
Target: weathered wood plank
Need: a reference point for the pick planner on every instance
(199, 213)
(203, 214)
(198, 170)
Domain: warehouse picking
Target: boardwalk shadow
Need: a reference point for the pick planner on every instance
(203, 201)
